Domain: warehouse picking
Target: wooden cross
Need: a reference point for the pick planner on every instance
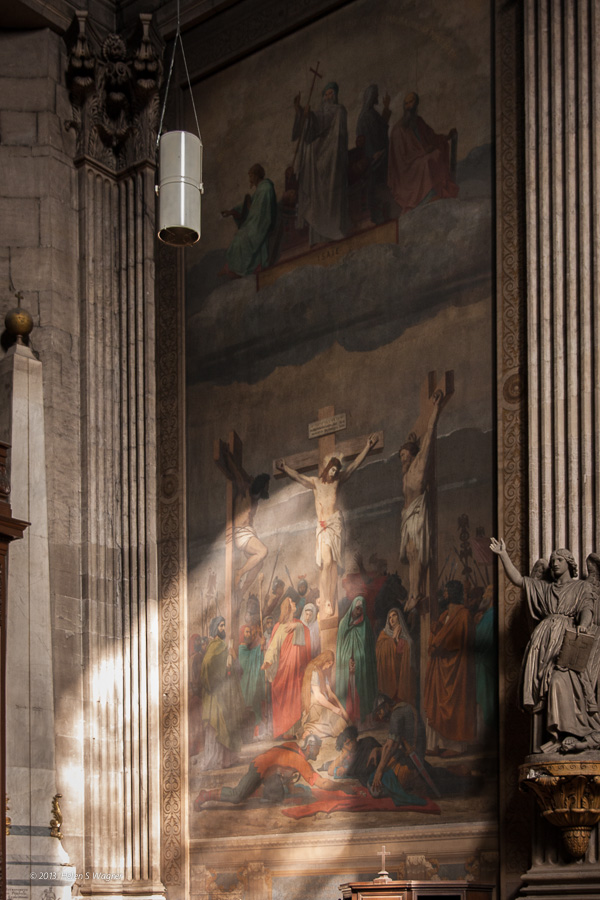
(311, 459)
(429, 388)
(383, 853)
(228, 458)
(316, 74)
(327, 447)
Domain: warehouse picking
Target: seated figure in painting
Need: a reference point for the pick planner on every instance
(419, 160)
(322, 712)
(560, 668)
(255, 218)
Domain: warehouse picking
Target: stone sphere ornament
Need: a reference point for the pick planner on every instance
(18, 322)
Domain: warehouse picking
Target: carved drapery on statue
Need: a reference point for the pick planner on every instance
(114, 87)
(559, 686)
(561, 665)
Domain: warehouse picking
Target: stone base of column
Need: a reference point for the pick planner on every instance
(577, 881)
(119, 890)
(37, 867)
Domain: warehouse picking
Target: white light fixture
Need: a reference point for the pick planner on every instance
(179, 187)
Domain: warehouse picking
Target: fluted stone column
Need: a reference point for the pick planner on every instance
(562, 106)
(114, 90)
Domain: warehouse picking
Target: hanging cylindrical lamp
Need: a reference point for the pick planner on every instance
(179, 188)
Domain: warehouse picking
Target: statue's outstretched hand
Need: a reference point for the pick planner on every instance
(497, 546)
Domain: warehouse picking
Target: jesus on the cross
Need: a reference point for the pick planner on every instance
(330, 522)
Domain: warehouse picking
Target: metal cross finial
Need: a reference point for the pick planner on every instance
(383, 855)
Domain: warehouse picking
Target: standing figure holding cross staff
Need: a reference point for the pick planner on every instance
(322, 152)
(330, 522)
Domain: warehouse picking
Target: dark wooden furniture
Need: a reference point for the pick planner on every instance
(417, 890)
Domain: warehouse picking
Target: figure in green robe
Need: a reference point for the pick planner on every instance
(255, 219)
(222, 701)
(356, 666)
(252, 682)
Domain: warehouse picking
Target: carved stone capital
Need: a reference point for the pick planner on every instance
(114, 84)
(568, 794)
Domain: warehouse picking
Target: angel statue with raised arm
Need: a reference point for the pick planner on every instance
(562, 660)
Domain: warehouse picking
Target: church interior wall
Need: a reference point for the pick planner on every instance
(355, 322)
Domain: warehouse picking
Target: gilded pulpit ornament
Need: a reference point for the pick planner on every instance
(559, 686)
(57, 818)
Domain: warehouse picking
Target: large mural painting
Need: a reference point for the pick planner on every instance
(340, 452)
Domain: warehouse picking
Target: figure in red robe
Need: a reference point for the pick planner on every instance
(419, 160)
(286, 659)
(449, 680)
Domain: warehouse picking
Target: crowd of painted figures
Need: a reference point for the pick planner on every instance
(329, 182)
(281, 687)
(277, 684)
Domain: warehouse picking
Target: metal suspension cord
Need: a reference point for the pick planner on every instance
(187, 75)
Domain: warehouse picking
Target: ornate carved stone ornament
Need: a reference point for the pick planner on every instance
(568, 794)
(114, 84)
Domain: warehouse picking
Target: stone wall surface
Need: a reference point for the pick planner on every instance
(39, 259)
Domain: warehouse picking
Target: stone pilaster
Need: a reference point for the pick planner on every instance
(35, 857)
(562, 100)
(114, 91)
(563, 206)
